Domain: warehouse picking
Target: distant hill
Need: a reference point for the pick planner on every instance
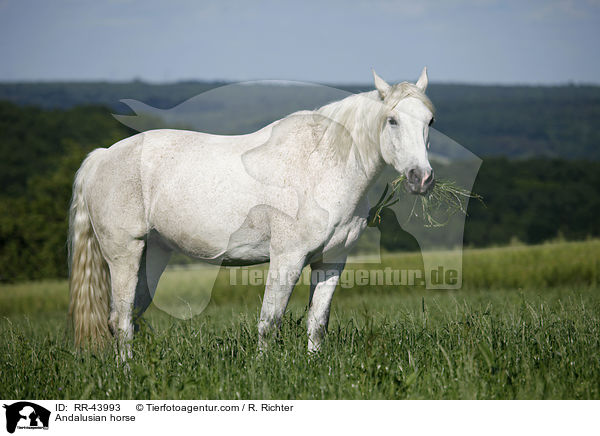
(511, 121)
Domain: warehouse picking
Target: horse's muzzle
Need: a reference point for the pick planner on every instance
(419, 181)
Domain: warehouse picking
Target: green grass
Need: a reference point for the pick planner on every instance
(525, 325)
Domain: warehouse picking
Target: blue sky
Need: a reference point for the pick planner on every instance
(471, 41)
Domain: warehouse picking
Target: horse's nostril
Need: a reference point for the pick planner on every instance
(413, 176)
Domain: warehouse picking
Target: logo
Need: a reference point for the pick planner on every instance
(26, 415)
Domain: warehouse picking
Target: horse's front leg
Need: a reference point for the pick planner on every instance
(324, 278)
(284, 271)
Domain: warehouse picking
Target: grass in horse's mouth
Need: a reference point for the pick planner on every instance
(435, 208)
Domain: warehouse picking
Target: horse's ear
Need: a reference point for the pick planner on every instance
(423, 80)
(381, 85)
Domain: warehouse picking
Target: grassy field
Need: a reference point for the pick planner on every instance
(526, 324)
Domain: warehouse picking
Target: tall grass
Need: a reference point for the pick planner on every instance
(525, 325)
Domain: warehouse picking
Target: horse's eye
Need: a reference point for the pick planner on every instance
(432, 120)
(392, 121)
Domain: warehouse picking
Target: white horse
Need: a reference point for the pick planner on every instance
(292, 194)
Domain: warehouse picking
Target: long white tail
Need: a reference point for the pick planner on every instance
(89, 278)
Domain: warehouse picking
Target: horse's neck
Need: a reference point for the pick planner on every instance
(360, 116)
(359, 176)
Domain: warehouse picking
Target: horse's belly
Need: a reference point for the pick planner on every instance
(244, 248)
(217, 218)
(235, 235)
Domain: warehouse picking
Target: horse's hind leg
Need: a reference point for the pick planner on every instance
(124, 278)
(142, 297)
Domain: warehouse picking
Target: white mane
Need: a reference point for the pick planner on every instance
(363, 115)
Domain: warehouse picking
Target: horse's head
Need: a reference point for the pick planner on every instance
(404, 138)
